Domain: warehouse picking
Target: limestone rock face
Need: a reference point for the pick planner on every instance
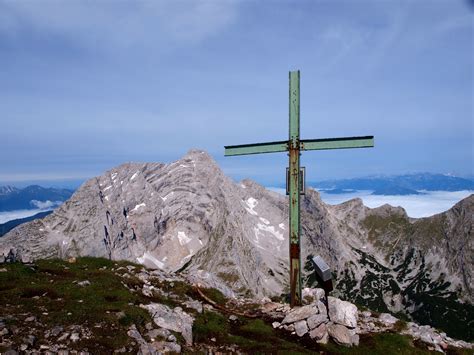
(170, 216)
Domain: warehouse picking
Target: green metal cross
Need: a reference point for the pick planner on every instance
(294, 145)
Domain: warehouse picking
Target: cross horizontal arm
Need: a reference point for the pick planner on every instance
(337, 143)
(257, 148)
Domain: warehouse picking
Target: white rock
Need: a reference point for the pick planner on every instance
(316, 320)
(340, 334)
(300, 313)
(319, 332)
(175, 320)
(387, 319)
(301, 328)
(322, 308)
(74, 337)
(342, 312)
(316, 294)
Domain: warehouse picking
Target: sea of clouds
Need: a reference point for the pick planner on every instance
(40, 206)
(417, 206)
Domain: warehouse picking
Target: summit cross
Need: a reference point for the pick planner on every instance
(294, 178)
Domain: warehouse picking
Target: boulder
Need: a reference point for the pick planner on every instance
(196, 305)
(314, 294)
(316, 319)
(387, 319)
(322, 308)
(300, 313)
(145, 348)
(319, 332)
(158, 334)
(301, 328)
(166, 347)
(172, 319)
(342, 312)
(340, 334)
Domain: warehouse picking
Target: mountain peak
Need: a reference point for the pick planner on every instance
(5, 190)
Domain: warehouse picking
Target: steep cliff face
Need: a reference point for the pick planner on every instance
(188, 216)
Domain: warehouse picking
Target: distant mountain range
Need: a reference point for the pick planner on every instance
(31, 197)
(410, 184)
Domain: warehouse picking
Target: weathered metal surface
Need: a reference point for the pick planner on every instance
(337, 143)
(322, 269)
(294, 188)
(302, 180)
(257, 148)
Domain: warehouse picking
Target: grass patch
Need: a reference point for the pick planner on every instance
(215, 295)
(383, 343)
(210, 325)
(251, 336)
(400, 326)
(50, 291)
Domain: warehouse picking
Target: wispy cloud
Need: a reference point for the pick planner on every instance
(44, 205)
(124, 23)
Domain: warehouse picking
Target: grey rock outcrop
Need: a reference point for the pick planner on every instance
(172, 319)
(340, 334)
(169, 216)
(342, 312)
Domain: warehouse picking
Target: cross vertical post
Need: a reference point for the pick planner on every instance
(294, 145)
(294, 188)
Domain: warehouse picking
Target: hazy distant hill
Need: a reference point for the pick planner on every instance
(8, 226)
(31, 197)
(409, 184)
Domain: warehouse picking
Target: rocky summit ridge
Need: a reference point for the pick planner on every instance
(188, 217)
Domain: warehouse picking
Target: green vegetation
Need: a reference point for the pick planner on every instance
(229, 278)
(249, 335)
(50, 291)
(214, 295)
(391, 226)
(384, 343)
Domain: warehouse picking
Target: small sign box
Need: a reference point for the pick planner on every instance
(322, 269)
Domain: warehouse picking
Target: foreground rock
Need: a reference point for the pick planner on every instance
(172, 319)
(344, 323)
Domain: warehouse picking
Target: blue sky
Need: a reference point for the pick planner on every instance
(87, 85)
